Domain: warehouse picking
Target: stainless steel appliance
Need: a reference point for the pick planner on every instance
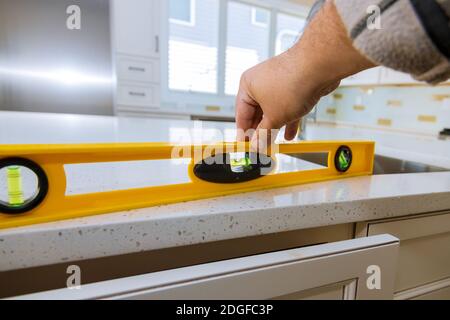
(55, 56)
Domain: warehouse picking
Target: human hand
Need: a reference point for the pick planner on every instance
(281, 90)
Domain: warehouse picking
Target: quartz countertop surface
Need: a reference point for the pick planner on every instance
(248, 214)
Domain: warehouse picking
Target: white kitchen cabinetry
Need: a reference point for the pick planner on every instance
(339, 270)
(366, 77)
(138, 70)
(424, 256)
(137, 95)
(389, 76)
(380, 76)
(135, 26)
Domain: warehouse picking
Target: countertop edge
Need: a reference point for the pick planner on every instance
(139, 236)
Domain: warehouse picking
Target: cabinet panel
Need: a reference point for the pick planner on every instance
(442, 294)
(264, 276)
(25, 281)
(413, 228)
(141, 96)
(366, 77)
(138, 70)
(439, 290)
(389, 76)
(423, 260)
(159, 11)
(424, 255)
(135, 25)
(335, 291)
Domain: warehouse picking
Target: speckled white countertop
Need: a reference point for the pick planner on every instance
(277, 210)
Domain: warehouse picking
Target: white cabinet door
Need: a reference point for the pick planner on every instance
(366, 77)
(340, 270)
(424, 255)
(135, 25)
(136, 41)
(389, 76)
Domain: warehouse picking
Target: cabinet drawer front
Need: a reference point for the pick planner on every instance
(439, 290)
(424, 255)
(138, 95)
(136, 70)
(442, 294)
(414, 228)
(333, 270)
(336, 291)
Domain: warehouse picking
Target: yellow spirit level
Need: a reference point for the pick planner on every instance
(50, 202)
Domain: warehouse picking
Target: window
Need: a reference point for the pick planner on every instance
(205, 62)
(182, 12)
(193, 51)
(247, 44)
(260, 17)
(285, 40)
(289, 29)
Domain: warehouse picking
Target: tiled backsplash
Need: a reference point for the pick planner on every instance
(415, 108)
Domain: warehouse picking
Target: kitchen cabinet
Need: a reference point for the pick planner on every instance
(338, 270)
(389, 76)
(366, 77)
(97, 270)
(135, 25)
(380, 76)
(138, 95)
(138, 70)
(439, 290)
(424, 256)
(435, 295)
(136, 30)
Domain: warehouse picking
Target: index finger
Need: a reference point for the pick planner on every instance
(248, 114)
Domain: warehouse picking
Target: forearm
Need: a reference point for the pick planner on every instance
(414, 35)
(327, 43)
(325, 53)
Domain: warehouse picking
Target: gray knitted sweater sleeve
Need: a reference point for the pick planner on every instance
(411, 36)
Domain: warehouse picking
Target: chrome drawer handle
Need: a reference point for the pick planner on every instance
(131, 68)
(136, 94)
(156, 44)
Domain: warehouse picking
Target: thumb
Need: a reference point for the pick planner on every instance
(264, 137)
